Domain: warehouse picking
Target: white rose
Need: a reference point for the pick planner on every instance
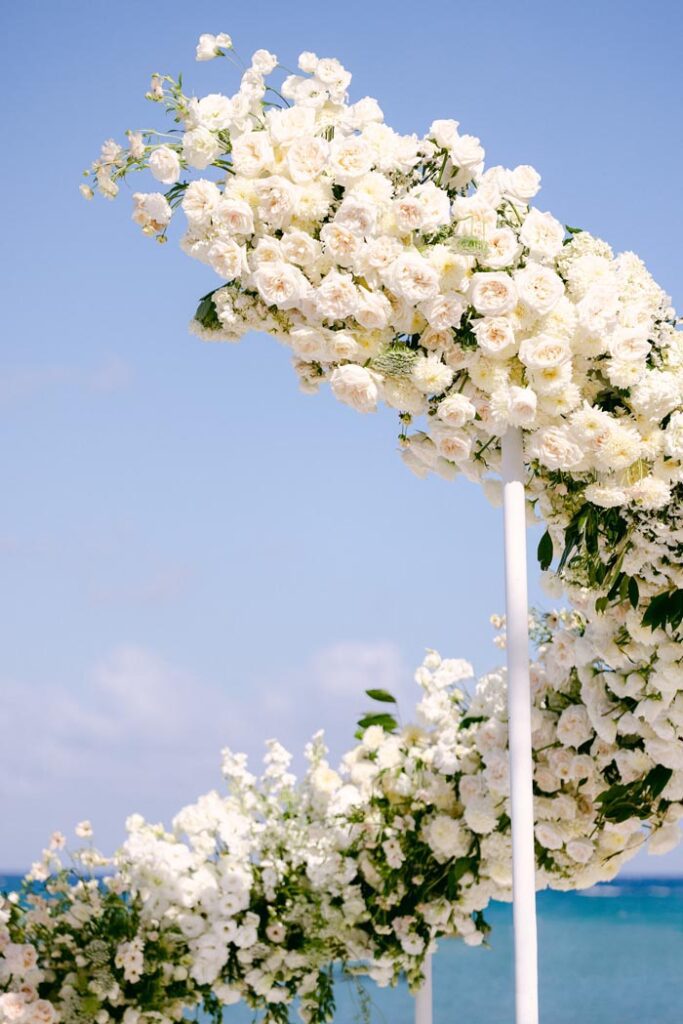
(502, 249)
(234, 216)
(412, 278)
(151, 211)
(574, 726)
(451, 444)
(544, 351)
(165, 165)
(336, 298)
(495, 336)
(456, 410)
(443, 311)
(522, 406)
(548, 835)
(554, 449)
(276, 200)
(341, 244)
(200, 148)
(264, 62)
(446, 837)
(350, 159)
(355, 386)
(298, 247)
(228, 259)
(580, 850)
(281, 284)
(444, 132)
(650, 493)
(539, 288)
(466, 151)
(306, 158)
(542, 235)
(523, 183)
(252, 153)
(214, 112)
(493, 294)
(284, 126)
(373, 310)
(200, 200)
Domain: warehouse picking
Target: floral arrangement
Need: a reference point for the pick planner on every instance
(255, 896)
(399, 270)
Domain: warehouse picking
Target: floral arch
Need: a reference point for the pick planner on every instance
(398, 269)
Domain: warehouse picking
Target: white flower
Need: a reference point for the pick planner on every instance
(412, 278)
(151, 211)
(336, 297)
(523, 183)
(574, 726)
(201, 147)
(165, 165)
(542, 235)
(522, 406)
(456, 410)
(355, 386)
(306, 158)
(502, 249)
(539, 287)
(276, 200)
(214, 112)
(446, 837)
(430, 376)
(493, 294)
(554, 449)
(83, 830)
(199, 202)
(228, 259)
(543, 351)
(209, 46)
(234, 216)
(252, 153)
(264, 62)
(580, 850)
(444, 133)
(281, 284)
(350, 159)
(495, 336)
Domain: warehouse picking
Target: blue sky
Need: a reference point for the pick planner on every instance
(192, 553)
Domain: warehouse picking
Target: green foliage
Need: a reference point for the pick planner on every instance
(634, 799)
(381, 695)
(545, 551)
(665, 610)
(386, 722)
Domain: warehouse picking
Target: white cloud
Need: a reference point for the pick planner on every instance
(19, 384)
(143, 734)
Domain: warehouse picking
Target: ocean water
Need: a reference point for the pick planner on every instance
(610, 955)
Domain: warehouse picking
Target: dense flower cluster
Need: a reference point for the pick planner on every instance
(400, 271)
(255, 895)
(76, 946)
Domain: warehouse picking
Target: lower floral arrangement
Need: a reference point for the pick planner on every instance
(257, 894)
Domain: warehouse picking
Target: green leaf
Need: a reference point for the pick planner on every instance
(545, 551)
(633, 592)
(386, 722)
(656, 780)
(382, 695)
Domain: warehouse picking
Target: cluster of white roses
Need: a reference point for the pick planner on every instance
(401, 271)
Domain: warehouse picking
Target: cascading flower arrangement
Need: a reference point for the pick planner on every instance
(257, 895)
(399, 270)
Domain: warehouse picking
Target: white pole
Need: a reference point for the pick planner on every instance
(519, 715)
(423, 999)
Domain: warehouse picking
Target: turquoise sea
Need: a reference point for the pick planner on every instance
(611, 955)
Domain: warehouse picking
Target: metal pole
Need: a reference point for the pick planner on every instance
(519, 717)
(423, 999)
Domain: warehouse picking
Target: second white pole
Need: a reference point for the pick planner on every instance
(423, 999)
(519, 718)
